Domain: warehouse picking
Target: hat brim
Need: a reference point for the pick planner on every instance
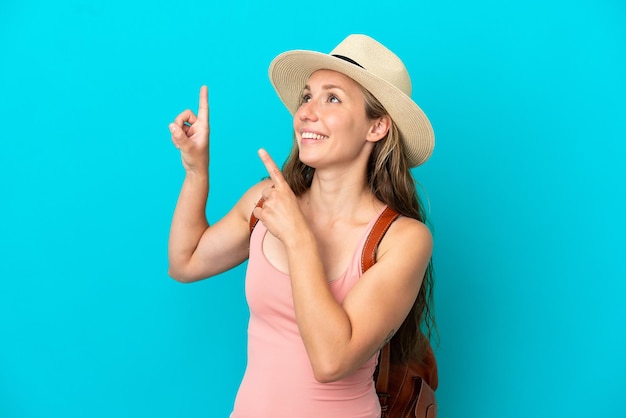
(290, 71)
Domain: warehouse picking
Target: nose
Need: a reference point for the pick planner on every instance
(307, 111)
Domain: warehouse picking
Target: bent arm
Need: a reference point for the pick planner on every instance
(341, 337)
(198, 250)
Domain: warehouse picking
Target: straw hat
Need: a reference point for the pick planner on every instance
(374, 67)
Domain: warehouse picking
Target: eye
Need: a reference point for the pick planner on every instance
(333, 99)
(305, 98)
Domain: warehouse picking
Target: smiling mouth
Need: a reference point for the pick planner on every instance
(311, 135)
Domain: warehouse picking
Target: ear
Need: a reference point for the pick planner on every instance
(379, 128)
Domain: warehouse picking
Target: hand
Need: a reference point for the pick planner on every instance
(281, 212)
(190, 134)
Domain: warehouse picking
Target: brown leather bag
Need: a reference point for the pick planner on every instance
(405, 390)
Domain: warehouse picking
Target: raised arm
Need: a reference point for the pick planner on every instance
(197, 250)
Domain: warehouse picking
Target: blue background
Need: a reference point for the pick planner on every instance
(525, 188)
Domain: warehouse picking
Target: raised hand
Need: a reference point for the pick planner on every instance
(281, 212)
(190, 134)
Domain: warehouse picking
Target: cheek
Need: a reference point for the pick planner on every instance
(296, 124)
(338, 122)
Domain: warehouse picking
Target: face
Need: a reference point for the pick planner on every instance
(331, 125)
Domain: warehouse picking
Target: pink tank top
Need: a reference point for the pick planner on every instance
(279, 381)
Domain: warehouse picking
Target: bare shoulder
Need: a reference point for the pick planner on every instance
(407, 236)
(411, 227)
(251, 197)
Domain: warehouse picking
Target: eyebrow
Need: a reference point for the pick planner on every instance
(326, 87)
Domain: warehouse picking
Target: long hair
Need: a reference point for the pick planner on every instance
(390, 180)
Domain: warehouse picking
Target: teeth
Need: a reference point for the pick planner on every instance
(311, 135)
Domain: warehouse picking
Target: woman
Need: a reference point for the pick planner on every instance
(317, 322)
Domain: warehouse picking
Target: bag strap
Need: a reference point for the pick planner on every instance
(381, 376)
(254, 219)
(368, 258)
(384, 221)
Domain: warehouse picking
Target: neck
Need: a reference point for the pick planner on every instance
(340, 195)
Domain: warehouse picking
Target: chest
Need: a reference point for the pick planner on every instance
(336, 245)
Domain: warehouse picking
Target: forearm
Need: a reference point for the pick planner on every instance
(323, 323)
(189, 221)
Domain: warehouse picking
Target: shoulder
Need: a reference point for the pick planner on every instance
(409, 226)
(251, 197)
(407, 237)
(255, 191)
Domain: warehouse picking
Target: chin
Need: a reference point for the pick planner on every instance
(308, 159)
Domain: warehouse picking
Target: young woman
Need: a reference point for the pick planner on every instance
(317, 322)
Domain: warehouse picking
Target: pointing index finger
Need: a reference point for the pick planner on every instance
(203, 107)
(275, 174)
